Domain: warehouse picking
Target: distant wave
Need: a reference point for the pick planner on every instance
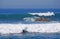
(17, 28)
(43, 14)
(29, 19)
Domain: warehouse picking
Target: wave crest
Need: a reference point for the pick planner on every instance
(43, 14)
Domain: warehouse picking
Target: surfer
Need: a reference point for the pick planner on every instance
(24, 31)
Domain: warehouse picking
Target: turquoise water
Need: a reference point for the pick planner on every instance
(13, 18)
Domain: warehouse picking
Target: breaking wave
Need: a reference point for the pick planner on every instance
(43, 14)
(42, 28)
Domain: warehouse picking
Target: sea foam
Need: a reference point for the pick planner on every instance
(17, 28)
(43, 14)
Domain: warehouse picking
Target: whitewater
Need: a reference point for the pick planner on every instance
(6, 28)
(43, 14)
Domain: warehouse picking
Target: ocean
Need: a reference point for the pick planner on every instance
(14, 21)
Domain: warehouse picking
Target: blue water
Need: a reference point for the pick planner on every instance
(32, 36)
(22, 11)
(17, 15)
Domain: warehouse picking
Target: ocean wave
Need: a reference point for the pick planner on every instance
(18, 28)
(43, 14)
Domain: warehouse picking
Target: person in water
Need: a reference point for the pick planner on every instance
(24, 31)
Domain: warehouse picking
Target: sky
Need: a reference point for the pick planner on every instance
(17, 4)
